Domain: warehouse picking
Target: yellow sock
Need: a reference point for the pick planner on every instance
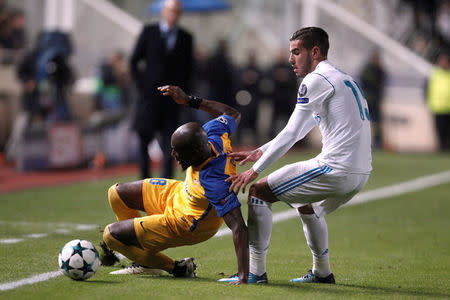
(122, 211)
(141, 256)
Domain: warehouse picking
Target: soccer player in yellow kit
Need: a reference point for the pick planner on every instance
(181, 213)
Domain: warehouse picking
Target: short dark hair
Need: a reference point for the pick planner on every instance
(312, 36)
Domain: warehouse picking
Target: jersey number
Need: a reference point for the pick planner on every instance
(351, 85)
(158, 181)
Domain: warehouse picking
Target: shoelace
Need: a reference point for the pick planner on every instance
(309, 275)
(134, 265)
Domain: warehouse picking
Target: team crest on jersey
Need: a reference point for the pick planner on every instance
(222, 119)
(317, 118)
(302, 90)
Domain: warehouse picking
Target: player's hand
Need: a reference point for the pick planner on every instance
(177, 94)
(246, 156)
(241, 180)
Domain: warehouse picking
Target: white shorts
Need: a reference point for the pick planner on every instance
(312, 182)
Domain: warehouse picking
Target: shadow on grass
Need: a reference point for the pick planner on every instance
(337, 289)
(350, 289)
(397, 291)
(100, 282)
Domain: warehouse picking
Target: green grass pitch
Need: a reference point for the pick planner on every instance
(394, 248)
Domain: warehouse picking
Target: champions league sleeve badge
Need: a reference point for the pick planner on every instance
(301, 94)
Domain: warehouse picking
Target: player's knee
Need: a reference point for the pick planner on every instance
(252, 191)
(306, 209)
(108, 238)
(113, 196)
(261, 190)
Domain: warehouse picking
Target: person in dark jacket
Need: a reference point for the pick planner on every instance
(373, 79)
(163, 54)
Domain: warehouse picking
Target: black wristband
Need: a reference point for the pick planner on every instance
(194, 101)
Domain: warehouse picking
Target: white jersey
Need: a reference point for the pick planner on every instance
(338, 106)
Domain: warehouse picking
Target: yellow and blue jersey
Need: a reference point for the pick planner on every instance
(205, 189)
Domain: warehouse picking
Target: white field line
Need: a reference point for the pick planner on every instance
(29, 280)
(376, 194)
(380, 193)
(69, 228)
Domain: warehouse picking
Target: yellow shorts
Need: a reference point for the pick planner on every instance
(164, 227)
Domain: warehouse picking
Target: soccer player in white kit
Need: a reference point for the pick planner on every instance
(333, 101)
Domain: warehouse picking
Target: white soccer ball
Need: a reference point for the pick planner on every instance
(78, 259)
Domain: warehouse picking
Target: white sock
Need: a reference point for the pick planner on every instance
(259, 232)
(316, 233)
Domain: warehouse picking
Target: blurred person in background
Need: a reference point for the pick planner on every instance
(443, 22)
(200, 81)
(438, 99)
(55, 74)
(214, 77)
(12, 35)
(47, 76)
(113, 84)
(163, 54)
(372, 79)
(220, 74)
(424, 15)
(248, 95)
(27, 74)
(284, 86)
(17, 38)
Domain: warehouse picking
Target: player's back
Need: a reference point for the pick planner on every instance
(344, 122)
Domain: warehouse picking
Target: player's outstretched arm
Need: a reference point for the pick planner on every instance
(213, 107)
(236, 223)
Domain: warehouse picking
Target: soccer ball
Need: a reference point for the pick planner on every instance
(78, 259)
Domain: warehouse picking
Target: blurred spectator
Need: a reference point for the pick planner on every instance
(17, 37)
(284, 86)
(220, 74)
(12, 34)
(430, 33)
(438, 97)
(247, 96)
(2, 7)
(46, 77)
(27, 74)
(163, 54)
(200, 82)
(443, 21)
(112, 84)
(372, 79)
(54, 74)
(424, 15)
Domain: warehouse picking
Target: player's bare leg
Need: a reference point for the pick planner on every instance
(259, 230)
(125, 200)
